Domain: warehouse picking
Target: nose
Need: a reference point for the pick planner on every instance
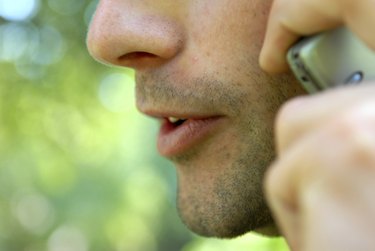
(136, 34)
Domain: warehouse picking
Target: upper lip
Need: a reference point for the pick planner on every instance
(161, 111)
(196, 115)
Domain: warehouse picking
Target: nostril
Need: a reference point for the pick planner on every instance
(127, 34)
(136, 56)
(139, 60)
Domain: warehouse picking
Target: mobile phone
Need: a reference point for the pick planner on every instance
(330, 59)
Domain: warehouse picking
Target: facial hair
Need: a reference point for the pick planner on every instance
(223, 197)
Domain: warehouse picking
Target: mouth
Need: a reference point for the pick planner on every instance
(178, 135)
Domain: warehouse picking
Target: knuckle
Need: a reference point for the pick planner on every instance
(359, 117)
(356, 129)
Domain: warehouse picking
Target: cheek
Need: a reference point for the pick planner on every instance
(222, 33)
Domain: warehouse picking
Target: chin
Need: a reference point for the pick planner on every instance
(230, 233)
(268, 231)
(229, 226)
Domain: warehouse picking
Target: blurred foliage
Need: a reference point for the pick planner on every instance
(78, 167)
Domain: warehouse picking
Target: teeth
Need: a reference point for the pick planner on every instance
(173, 119)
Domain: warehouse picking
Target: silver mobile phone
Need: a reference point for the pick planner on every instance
(331, 59)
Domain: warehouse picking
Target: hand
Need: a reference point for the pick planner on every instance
(291, 19)
(321, 188)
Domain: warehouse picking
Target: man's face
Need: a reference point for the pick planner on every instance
(197, 60)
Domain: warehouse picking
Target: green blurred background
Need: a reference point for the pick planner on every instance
(78, 165)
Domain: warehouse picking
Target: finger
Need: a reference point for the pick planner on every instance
(359, 16)
(340, 195)
(281, 199)
(337, 159)
(272, 56)
(332, 142)
(303, 114)
(283, 189)
(290, 19)
(340, 208)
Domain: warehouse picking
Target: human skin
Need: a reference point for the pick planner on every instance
(199, 59)
(321, 186)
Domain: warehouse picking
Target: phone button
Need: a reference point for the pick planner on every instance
(355, 78)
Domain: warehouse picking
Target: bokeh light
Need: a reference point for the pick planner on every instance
(34, 212)
(79, 169)
(13, 41)
(66, 7)
(68, 238)
(30, 48)
(18, 10)
(116, 92)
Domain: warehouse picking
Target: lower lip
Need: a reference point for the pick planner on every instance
(175, 140)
